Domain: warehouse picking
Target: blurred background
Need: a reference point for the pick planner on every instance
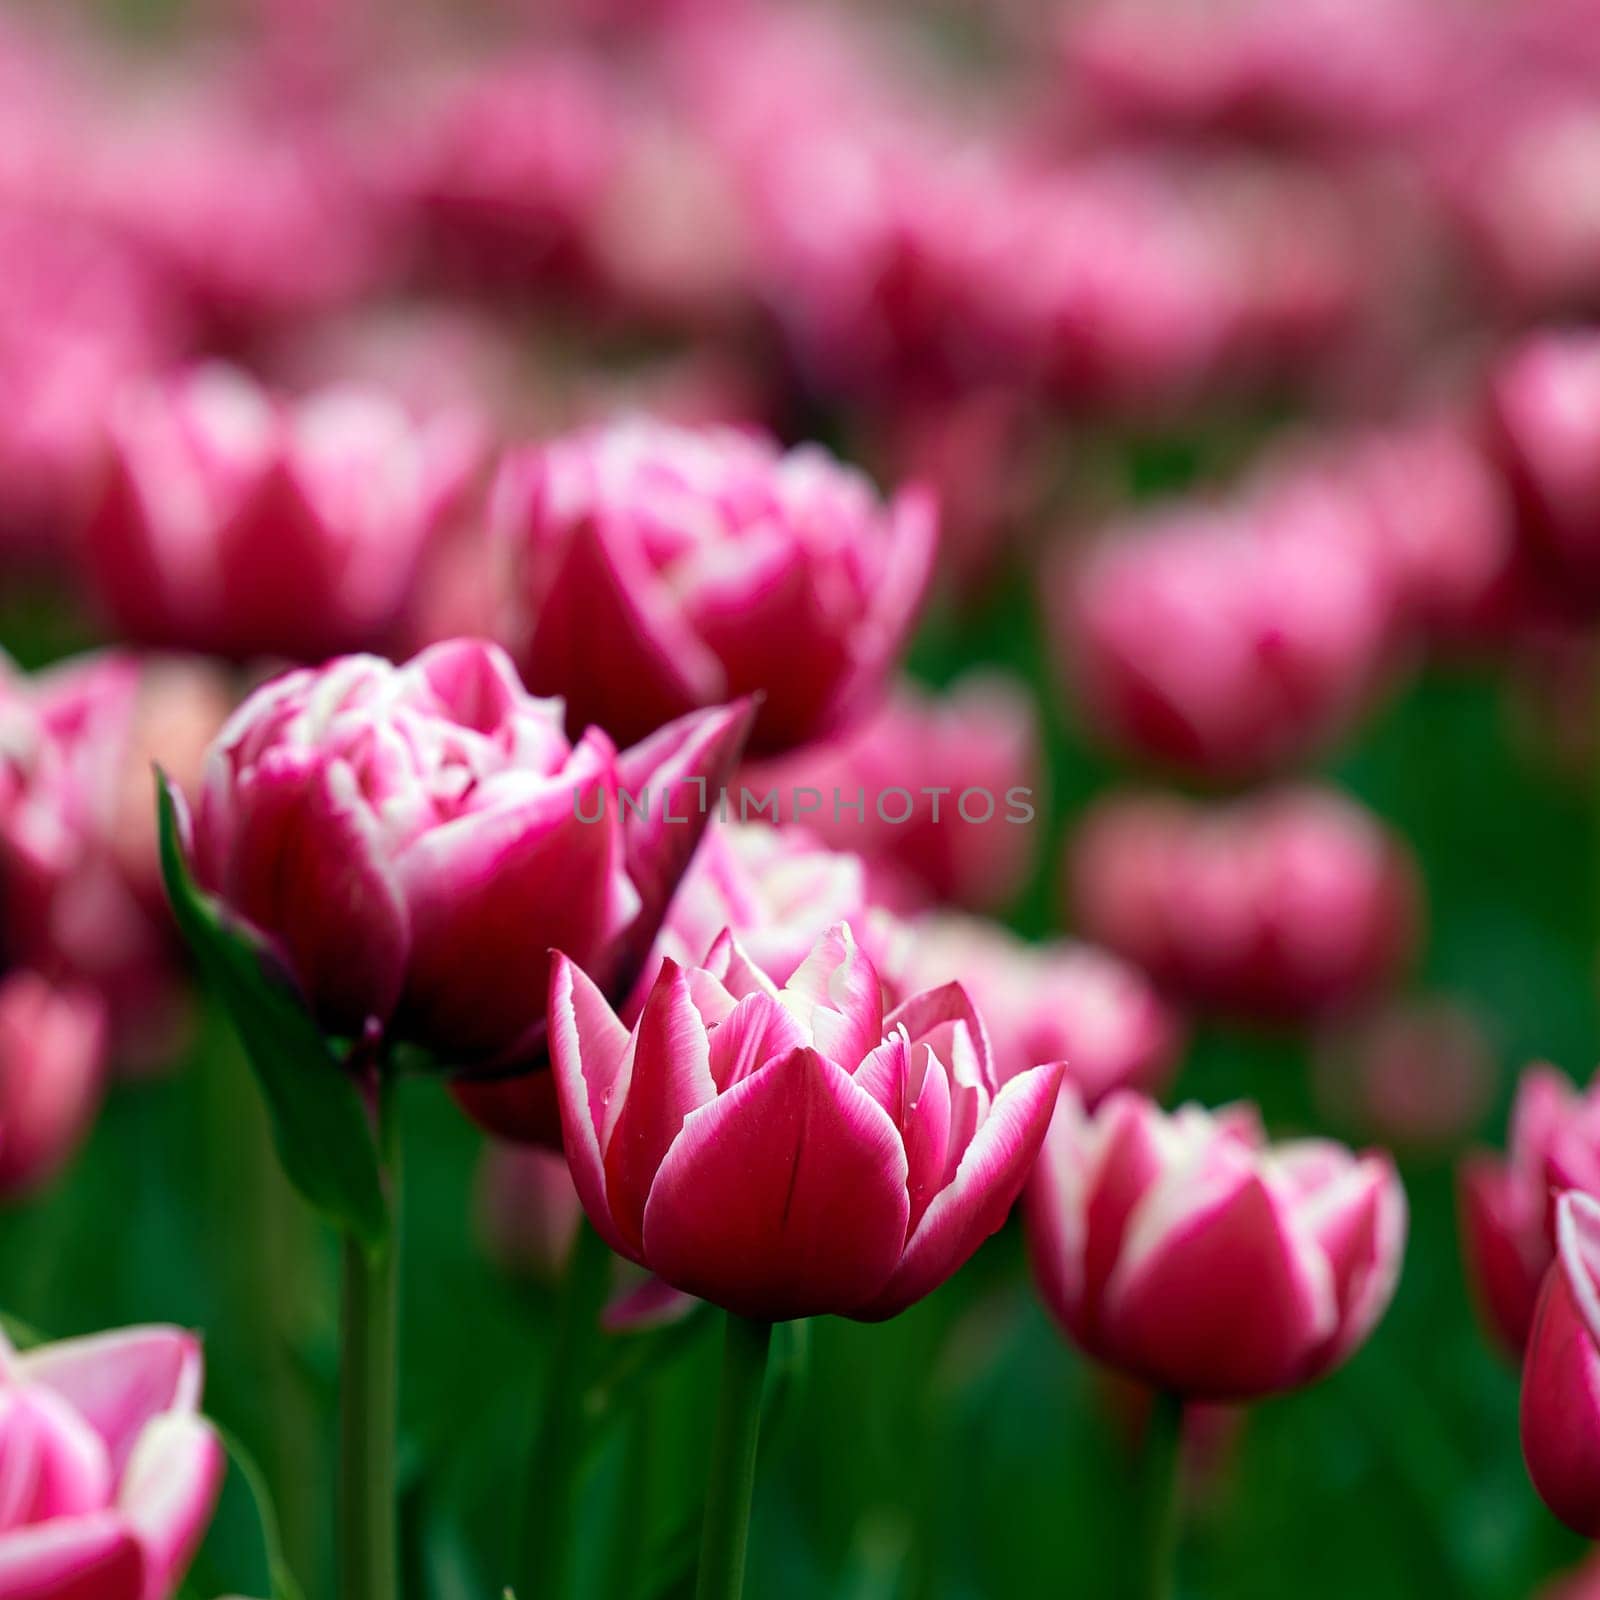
(1243, 345)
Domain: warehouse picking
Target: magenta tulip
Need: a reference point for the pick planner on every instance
(413, 841)
(794, 1152)
(52, 1069)
(111, 1474)
(1561, 1372)
(232, 523)
(1185, 1251)
(1507, 1202)
(656, 569)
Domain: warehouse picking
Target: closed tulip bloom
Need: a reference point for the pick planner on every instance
(791, 1152)
(1058, 1001)
(528, 1210)
(111, 1474)
(656, 569)
(1225, 642)
(231, 523)
(1507, 1215)
(413, 840)
(1185, 1251)
(1290, 904)
(52, 1067)
(1561, 1372)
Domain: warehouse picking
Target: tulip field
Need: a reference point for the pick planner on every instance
(799, 800)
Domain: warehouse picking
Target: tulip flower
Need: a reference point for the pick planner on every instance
(1561, 1372)
(656, 569)
(1290, 904)
(412, 841)
(528, 1210)
(1225, 642)
(234, 524)
(1507, 1216)
(940, 793)
(112, 1475)
(1060, 1001)
(791, 1152)
(52, 1067)
(1183, 1250)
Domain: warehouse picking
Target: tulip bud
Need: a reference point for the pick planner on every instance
(1506, 1207)
(234, 524)
(794, 1152)
(1185, 1251)
(1290, 904)
(113, 1475)
(528, 1210)
(413, 841)
(656, 569)
(1561, 1372)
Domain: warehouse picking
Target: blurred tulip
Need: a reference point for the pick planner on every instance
(528, 1210)
(791, 1153)
(1580, 1583)
(413, 841)
(112, 1476)
(52, 1069)
(939, 793)
(1544, 418)
(1506, 1215)
(656, 569)
(1561, 1372)
(1225, 642)
(1060, 1001)
(1184, 1251)
(1293, 903)
(234, 524)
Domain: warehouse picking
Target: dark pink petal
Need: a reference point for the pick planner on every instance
(52, 1463)
(665, 1075)
(647, 1305)
(979, 1199)
(79, 1558)
(1506, 1257)
(785, 1197)
(587, 1047)
(756, 1030)
(169, 1494)
(522, 1109)
(120, 1382)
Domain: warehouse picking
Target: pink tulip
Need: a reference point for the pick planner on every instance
(1185, 1251)
(52, 1068)
(412, 841)
(1060, 1001)
(1561, 1372)
(1544, 419)
(939, 793)
(1579, 1583)
(528, 1210)
(1293, 903)
(795, 1152)
(1225, 642)
(112, 1475)
(656, 569)
(1507, 1219)
(232, 523)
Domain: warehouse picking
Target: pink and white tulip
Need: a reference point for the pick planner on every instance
(791, 1152)
(112, 1475)
(412, 841)
(233, 523)
(1561, 1372)
(656, 569)
(1185, 1251)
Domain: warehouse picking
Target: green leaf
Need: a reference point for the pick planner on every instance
(321, 1129)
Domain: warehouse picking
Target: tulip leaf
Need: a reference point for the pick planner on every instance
(319, 1125)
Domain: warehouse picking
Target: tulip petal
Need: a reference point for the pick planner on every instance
(52, 1463)
(837, 995)
(785, 1197)
(75, 1558)
(756, 1030)
(169, 1494)
(936, 1015)
(1506, 1259)
(120, 1382)
(587, 1048)
(522, 1109)
(977, 1201)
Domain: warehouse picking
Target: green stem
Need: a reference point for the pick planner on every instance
(733, 1460)
(1163, 1500)
(556, 1460)
(369, 1399)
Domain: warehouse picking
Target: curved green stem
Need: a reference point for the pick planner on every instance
(369, 1397)
(1163, 1501)
(726, 1532)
